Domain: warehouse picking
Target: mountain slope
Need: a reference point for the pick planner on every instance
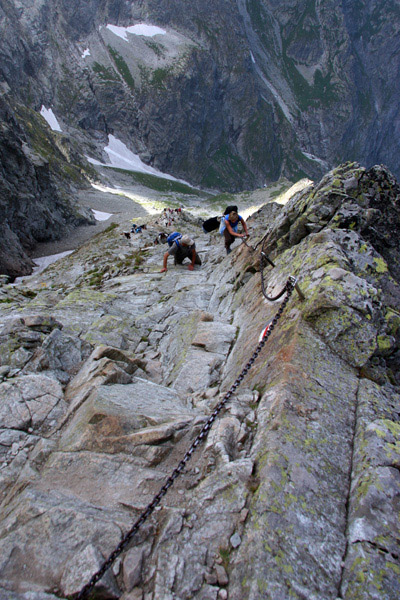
(110, 369)
(229, 94)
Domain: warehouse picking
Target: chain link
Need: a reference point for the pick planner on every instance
(83, 594)
(244, 241)
(264, 259)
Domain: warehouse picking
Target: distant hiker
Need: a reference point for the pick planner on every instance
(213, 223)
(229, 229)
(181, 247)
(161, 238)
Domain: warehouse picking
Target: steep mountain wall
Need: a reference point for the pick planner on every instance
(110, 369)
(36, 183)
(231, 95)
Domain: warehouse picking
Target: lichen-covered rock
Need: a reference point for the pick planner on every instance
(371, 567)
(294, 493)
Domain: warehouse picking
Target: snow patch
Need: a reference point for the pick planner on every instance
(101, 216)
(41, 263)
(146, 30)
(122, 158)
(139, 29)
(93, 161)
(50, 117)
(44, 261)
(86, 53)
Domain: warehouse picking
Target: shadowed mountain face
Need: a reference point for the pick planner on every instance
(37, 186)
(227, 94)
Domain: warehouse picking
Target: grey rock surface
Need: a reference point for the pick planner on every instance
(294, 492)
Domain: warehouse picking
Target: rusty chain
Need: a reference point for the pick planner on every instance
(83, 594)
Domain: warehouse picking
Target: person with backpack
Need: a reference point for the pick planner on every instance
(181, 247)
(213, 223)
(229, 229)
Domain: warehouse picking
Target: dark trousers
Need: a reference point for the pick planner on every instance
(229, 239)
(181, 255)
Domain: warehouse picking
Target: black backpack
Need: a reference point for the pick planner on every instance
(211, 224)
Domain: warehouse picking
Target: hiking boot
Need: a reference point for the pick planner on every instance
(228, 250)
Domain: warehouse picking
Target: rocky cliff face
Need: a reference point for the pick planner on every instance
(36, 188)
(110, 369)
(226, 94)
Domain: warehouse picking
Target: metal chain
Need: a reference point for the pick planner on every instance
(83, 594)
(244, 241)
(270, 298)
(264, 259)
(264, 240)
